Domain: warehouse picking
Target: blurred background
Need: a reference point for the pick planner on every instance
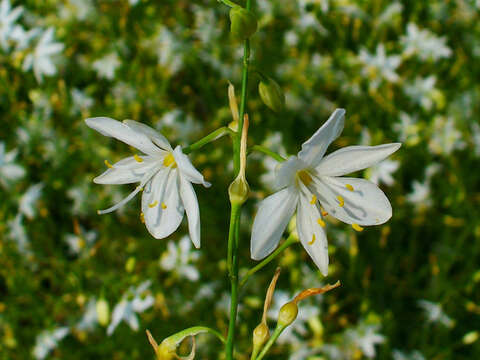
(405, 71)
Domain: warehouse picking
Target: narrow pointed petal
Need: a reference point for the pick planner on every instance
(187, 170)
(286, 172)
(315, 147)
(167, 208)
(312, 235)
(353, 158)
(126, 171)
(113, 128)
(160, 140)
(365, 204)
(152, 198)
(190, 203)
(271, 220)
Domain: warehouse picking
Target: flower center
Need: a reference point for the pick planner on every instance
(169, 160)
(304, 177)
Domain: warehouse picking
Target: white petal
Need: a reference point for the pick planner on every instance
(132, 320)
(353, 158)
(365, 205)
(117, 316)
(141, 304)
(190, 203)
(151, 133)
(187, 169)
(286, 172)
(162, 222)
(120, 131)
(271, 220)
(126, 171)
(312, 235)
(314, 148)
(152, 198)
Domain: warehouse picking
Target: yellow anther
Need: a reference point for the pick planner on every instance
(305, 177)
(137, 158)
(341, 202)
(324, 213)
(349, 187)
(108, 164)
(142, 218)
(357, 227)
(313, 240)
(152, 205)
(321, 222)
(169, 160)
(164, 206)
(314, 200)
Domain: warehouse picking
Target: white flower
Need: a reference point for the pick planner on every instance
(422, 91)
(19, 235)
(107, 65)
(476, 137)
(310, 178)
(408, 129)
(414, 355)
(8, 17)
(132, 302)
(178, 258)
(81, 101)
(435, 313)
(165, 176)
(379, 66)
(446, 137)
(29, 200)
(9, 171)
(365, 337)
(90, 317)
(424, 43)
(47, 341)
(382, 172)
(420, 194)
(41, 57)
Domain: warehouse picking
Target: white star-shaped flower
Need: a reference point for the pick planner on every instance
(8, 17)
(165, 176)
(309, 180)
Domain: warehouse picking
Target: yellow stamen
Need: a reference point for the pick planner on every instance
(108, 164)
(314, 200)
(169, 160)
(142, 218)
(313, 240)
(137, 158)
(305, 177)
(324, 213)
(321, 222)
(341, 202)
(357, 227)
(349, 187)
(152, 205)
(164, 206)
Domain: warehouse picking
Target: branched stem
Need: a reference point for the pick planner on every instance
(276, 333)
(292, 239)
(217, 134)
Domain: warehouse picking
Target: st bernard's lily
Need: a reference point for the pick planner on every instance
(165, 177)
(310, 184)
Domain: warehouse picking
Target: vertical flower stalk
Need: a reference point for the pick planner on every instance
(235, 210)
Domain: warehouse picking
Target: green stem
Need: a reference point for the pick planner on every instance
(232, 260)
(292, 239)
(268, 152)
(229, 3)
(194, 331)
(276, 333)
(217, 134)
(235, 214)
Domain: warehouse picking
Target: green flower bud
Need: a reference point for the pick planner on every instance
(271, 94)
(243, 23)
(288, 313)
(260, 335)
(103, 312)
(238, 190)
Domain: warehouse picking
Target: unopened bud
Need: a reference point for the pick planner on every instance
(271, 94)
(260, 335)
(288, 313)
(243, 23)
(103, 312)
(238, 190)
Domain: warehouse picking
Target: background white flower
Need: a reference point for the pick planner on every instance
(107, 65)
(8, 17)
(48, 340)
(178, 258)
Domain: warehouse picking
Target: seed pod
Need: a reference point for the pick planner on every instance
(288, 313)
(243, 23)
(271, 94)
